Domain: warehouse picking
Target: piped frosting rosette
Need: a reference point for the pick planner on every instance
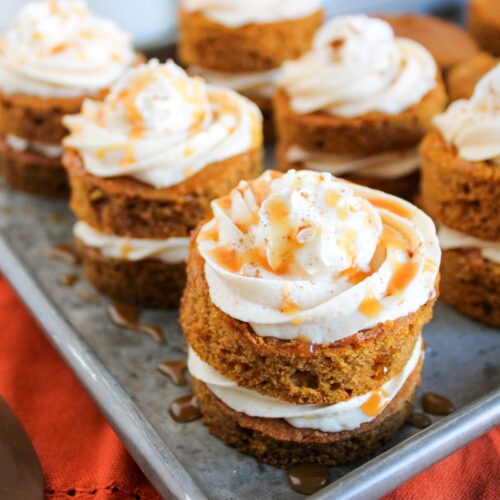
(160, 126)
(473, 125)
(57, 48)
(357, 66)
(304, 255)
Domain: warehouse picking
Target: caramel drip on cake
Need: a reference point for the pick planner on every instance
(174, 370)
(374, 405)
(392, 206)
(402, 277)
(436, 404)
(370, 307)
(127, 316)
(308, 478)
(185, 409)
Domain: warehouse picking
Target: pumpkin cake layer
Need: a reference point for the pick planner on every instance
(471, 284)
(460, 194)
(33, 172)
(252, 47)
(147, 283)
(127, 207)
(363, 135)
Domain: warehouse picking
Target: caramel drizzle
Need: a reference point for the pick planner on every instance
(375, 403)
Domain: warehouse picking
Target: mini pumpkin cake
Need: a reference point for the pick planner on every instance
(303, 310)
(144, 165)
(241, 44)
(56, 54)
(462, 79)
(358, 105)
(484, 24)
(446, 41)
(461, 191)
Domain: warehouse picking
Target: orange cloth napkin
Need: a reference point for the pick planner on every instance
(82, 457)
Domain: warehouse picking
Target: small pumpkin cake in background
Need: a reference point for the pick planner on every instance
(358, 105)
(303, 311)
(55, 54)
(462, 79)
(484, 24)
(448, 43)
(461, 191)
(144, 165)
(241, 44)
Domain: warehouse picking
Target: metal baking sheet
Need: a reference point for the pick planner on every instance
(118, 369)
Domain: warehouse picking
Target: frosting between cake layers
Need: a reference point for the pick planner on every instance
(160, 126)
(451, 239)
(170, 250)
(473, 126)
(256, 84)
(236, 13)
(307, 256)
(19, 144)
(57, 48)
(357, 66)
(390, 165)
(343, 416)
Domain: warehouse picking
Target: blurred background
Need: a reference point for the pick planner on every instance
(152, 22)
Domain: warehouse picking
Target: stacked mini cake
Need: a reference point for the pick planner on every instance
(241, 44)
(144, 165)
(56, 54)
(484, 24)
(358, 105)
(448, 43)
(463, 77)
(461, 191)
(303, 310)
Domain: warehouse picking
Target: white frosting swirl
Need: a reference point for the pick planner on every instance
(391, 165)
(452, 239)
(307, 256)
(161, 126)
(21, 145)
(254, 84)
(357, 66)
(170, 250)
(57, 48)
(473, 126)
(236, 13)
(344, 416)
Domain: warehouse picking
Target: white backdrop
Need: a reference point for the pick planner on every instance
(152, 22)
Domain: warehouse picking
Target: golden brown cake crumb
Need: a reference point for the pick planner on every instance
(471, 283)
(460, 194)
(364, 135)
(252, 47)
(126, 207)
(148, 283)
(32, 172)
